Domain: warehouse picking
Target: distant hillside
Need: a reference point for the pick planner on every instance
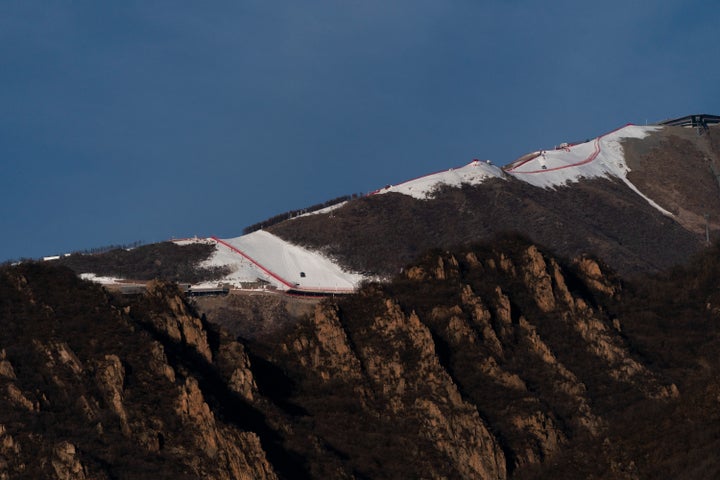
(599, 216)
(640, 198)
(672, 167)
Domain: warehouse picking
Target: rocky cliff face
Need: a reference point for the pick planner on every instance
(447, 342)
(491, 362)
(89, 392)
(394, 371)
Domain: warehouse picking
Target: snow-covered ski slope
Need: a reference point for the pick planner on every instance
(600, 157)
(242, 270)
(263, 256)
(422, 188)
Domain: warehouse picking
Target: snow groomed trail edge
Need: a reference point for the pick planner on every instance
(512, 167)
(291, 287)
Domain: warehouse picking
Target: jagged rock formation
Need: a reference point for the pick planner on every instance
(397, 378)
(444, 344)
(495, 361)
(89, 392)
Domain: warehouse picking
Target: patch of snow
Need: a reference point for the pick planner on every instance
(288, 266)
(600, 157)
(242, 270)
(261, 257)
(100, 279)
(422, 188)
(190, 241)
(323, 210)
(320, 211)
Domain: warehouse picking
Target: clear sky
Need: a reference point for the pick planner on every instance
(150, 119)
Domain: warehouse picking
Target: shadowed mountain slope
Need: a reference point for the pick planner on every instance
(601, 216)
(492, 361)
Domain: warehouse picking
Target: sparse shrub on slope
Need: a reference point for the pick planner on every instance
(165, 260)
(295, 213)
(381, 233)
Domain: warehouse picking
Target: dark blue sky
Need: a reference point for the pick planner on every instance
(146, 120)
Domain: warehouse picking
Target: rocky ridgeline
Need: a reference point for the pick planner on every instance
(100, 398)
(491, 362)
(488, 355)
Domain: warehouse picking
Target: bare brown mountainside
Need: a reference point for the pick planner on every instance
(494, 361)
(674, 166)
(679, 169)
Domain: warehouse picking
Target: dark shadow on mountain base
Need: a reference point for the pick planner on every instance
(227, 404)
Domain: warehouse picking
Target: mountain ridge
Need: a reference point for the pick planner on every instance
(475, 352)
(642, 198)
(494, 361)
(608, 216)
